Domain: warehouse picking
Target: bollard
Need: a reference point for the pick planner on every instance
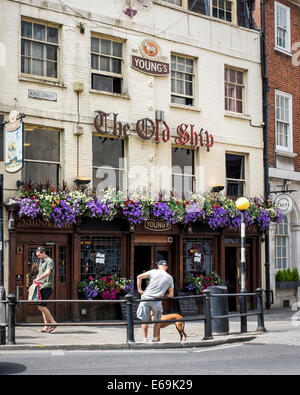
(259, 306)
(129, 318)
(219, 306)
(2, 316)
(207, 316)
(243, 310)
(11, 318)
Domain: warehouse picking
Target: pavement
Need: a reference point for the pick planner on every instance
(282, 326)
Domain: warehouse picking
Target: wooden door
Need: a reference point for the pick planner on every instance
(25, 258)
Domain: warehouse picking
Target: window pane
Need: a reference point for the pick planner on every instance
(38, 142)
(52, 69)
(107, 152)
(26, 29)
(234, 166)
(95, 42)
(41, 172)
(117, 49)
(102, 83)
(25, 47)
(200, 6)
(51, 52)
(116, 66)
(106, 47)
(37, 67)
(25, 65)
(105, 63)
(52, 35)
(37, 50)
(183, 160)
(39, 32)
(95, 62)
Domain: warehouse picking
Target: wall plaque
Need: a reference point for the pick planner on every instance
(156, 225)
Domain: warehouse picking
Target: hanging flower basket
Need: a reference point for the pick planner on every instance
(63, 207)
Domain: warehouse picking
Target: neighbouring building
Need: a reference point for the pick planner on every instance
(159, 95)
(282, 42)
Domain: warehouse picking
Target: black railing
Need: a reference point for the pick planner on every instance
(207, 317)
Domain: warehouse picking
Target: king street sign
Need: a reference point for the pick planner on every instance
(285, 203)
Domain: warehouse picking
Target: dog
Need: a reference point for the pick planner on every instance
(179, 325)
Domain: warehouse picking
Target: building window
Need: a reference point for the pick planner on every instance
(182, 80)
(234, 90)
(174, 2)
(282, 244)
(108, 163)
(235, 175)
(39, 49)
(283, 121)
(41, 164)
(183, 175)
(197, 256)
(100, 256)
(222, 9)
(107, 65)
(282, 27)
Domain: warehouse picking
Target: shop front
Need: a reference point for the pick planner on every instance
(93, 248)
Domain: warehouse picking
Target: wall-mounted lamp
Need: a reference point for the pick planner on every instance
(11, 221)
(217, 188)
(190, 229)
(19, 183)
(131, 228)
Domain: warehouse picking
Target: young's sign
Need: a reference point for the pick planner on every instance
(150, 62)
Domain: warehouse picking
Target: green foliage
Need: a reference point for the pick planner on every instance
(287, 275)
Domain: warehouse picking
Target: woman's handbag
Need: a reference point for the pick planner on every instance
(34, 291)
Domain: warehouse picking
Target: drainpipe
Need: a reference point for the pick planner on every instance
(2, 289)
(265, 89)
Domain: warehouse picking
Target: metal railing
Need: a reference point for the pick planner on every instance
(207, 317)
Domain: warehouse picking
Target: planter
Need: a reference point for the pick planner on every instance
(190, 306)
(287, 284)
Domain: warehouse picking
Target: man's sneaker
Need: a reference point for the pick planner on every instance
(154, 340)
(145, 340)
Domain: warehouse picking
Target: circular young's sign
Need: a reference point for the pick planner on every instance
(285, 203)
(150, 49)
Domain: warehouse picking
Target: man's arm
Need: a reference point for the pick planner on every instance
(170, 293)
(140, 277)
(44, 275)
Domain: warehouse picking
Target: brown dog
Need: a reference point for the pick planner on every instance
(179, 325)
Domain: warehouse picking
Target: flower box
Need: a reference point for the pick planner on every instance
(287, 284)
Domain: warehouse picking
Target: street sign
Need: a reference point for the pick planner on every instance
(285, 203)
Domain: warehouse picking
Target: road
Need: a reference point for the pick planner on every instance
(251, 358)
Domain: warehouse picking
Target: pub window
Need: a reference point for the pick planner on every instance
(107, 65)
(234, 90)
(182, 80)
(39, 49)
(282, 244)
(108, 163)
(222, 9)
(183, 174)
(100, 256)
(235, 175)
(41, 155)
(197, 256)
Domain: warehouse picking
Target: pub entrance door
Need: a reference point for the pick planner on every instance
(25, 258)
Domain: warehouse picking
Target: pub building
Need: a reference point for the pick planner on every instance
(139, 107)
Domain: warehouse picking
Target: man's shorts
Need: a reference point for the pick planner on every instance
(143, 311)
(45, 294)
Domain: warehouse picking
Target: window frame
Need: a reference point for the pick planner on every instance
(100, 72)
(235, 85)
(57, 163)
(193, 74)
(289, 147)
(182, 175)
(45, 43)
(241, 181)
(120, 170)
(287, 48)
(286, 235)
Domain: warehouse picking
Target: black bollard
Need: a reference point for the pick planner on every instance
(12, 300)
(129, 318)
(259, 307)
(207, 316)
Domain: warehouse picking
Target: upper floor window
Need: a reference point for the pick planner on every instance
(282, 244)
(108, 162)
(39, 49)
(283, 121)
(282, 27)
(183, 174)
(41, 164)
(221, 9)
(234, 90)
(107, 65)
(182, 80)
(235, 175)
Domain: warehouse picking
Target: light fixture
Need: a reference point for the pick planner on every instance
(11, 221)
(84, 311)
(19, 183)
(217, 188)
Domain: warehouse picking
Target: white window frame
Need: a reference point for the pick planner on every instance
(32, 40)
(286, 235)
(289, 123)
(277, 7)
(184, 175)
(193, 74)
(235, 85)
